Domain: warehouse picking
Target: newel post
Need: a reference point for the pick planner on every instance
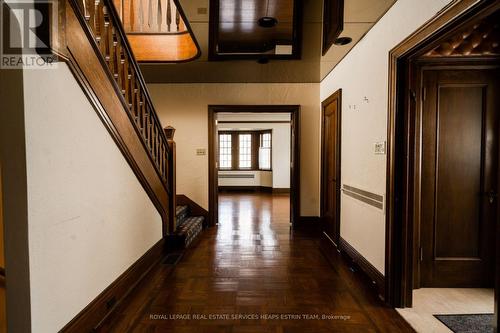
(169, 132)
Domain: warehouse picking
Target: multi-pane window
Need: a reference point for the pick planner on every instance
(245, 151)
(249, 150)
(225, 146)
(265, 151)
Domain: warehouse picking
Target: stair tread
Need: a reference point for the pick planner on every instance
(180, 209)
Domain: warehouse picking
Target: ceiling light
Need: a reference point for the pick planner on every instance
(267, 22)
(342, 41)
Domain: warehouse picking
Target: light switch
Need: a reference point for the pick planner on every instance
(380, 148)
(201, 151)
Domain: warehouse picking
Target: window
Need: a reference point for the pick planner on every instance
(245, 151)
(225, 156)
(265, 151)
(249, 150)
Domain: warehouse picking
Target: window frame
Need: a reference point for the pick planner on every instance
(235, 147)
(219, 151)
(260, 136)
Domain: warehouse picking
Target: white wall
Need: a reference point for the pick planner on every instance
(364, 73)
(89, 217)
(185, 107)
(280, 142)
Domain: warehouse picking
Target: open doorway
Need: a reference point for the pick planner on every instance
(254, 150)
(443, 210)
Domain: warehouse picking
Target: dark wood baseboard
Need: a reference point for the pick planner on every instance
(93, 315)
(196, 210)
(364, 265)
(309, 224)
(281, 190)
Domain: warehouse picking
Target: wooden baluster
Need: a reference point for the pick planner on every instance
(153, 144)
(111, 46)
(150, 12)
(90, 13)
(169, 15)
(132, 15)
(177, 18)
(151, 132)
(146, 125)
(119, 64)
(86, 11)
(139, 106)
(134, 93)
(141, 16)
(102, 32)
(157, 146)
(159, 17)
(114, 57)
(106, 38)
(95, 20)
(126, 80)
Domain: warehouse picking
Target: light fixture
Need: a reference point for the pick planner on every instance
(343, 41)
(267, 21)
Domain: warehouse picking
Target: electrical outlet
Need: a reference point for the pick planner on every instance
(201, 151)
(380, 148)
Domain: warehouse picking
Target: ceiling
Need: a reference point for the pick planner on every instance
(359, 17)
(238, 30)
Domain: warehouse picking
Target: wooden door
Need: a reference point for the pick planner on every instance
(459, 177)
(330, 175)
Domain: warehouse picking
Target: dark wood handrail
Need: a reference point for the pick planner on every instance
(103, 22)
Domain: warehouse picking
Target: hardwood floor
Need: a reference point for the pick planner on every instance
(249, 267)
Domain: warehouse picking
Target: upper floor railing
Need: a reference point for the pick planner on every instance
(150, 17)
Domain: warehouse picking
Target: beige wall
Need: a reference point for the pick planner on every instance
(89, 218)
(184, 106)
(363, 77)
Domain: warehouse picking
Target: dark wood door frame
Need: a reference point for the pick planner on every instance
(294, 111)
(400, 249)
(335, 96)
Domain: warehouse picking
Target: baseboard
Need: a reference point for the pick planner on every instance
(281, 190)
(196, 210)
(368, 269)
(103, 306)
(310, 224)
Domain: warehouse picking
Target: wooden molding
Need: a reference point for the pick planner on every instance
(336, 96)
(294, 110)
(103, 306)
(399, 225)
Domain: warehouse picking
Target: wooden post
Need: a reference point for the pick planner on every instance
(169, 132)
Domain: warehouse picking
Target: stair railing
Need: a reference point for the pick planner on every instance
(93, 42)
